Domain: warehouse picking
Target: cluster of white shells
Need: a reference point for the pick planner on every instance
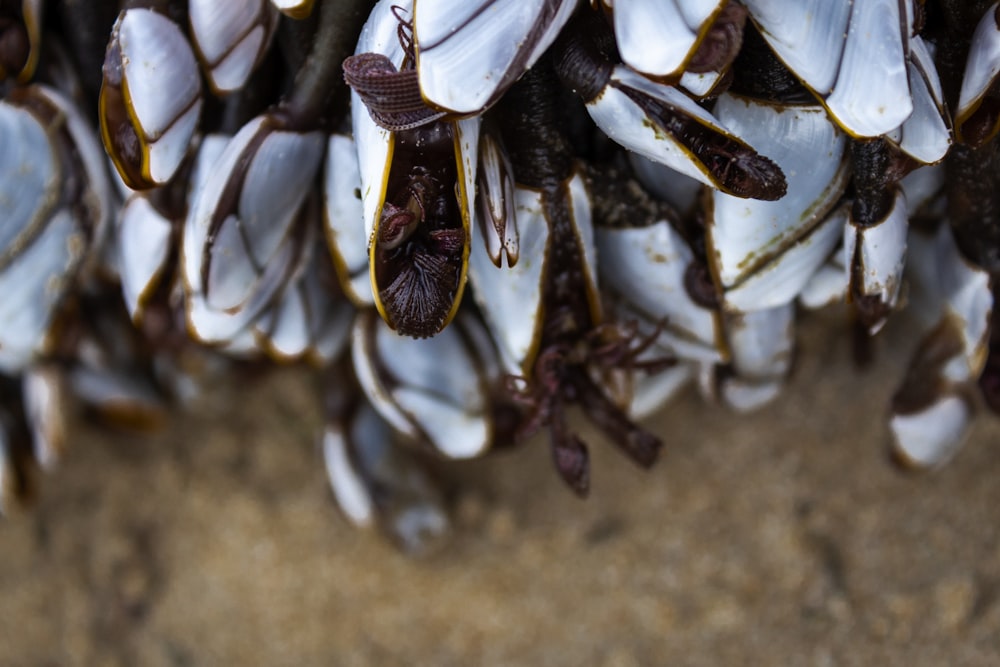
(268, 254)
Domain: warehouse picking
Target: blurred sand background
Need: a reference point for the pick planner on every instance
(780, 538)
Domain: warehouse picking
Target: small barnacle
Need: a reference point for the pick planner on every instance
(658, 121)
(150, 97)
(55, 203)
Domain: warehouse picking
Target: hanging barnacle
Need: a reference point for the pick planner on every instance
(953, 272)
(570, 344)
(248, 231)
(418, 176)
(659, 121)
(55, 208)
(243, 234)
(150, 99)
(375, 481)
(762, 254)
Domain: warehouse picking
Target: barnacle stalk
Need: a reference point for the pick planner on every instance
(318, 90)
(541, 159)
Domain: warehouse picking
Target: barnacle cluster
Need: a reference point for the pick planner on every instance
(469, 215)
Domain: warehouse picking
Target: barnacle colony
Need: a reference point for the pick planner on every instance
(518, 206)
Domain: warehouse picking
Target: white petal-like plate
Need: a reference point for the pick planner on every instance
(234, 71)
(230, 37)
(872, 93)
(745, 236)
(168, 151)
(646, 266)
(700, 84)
(374, 143)
(583, 226)
(470, 51)
(34, 283)
(143, 246)
(348, 486)
(29, 177)
(495, 205)
(511, 298)
(279, 178)
(288, 334)
(827, 286)
(982, 66)
(653, 37)
(807, 35)
(945, 284)
(922, 184)
(45, 409)
(762, 342)
(160, 70)
(880, 252)
(652, 391)
(431, 389)
(344, 219)
(678, 190)
(778, 282)
(926, 134)
(932, 436)
(217, 26)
